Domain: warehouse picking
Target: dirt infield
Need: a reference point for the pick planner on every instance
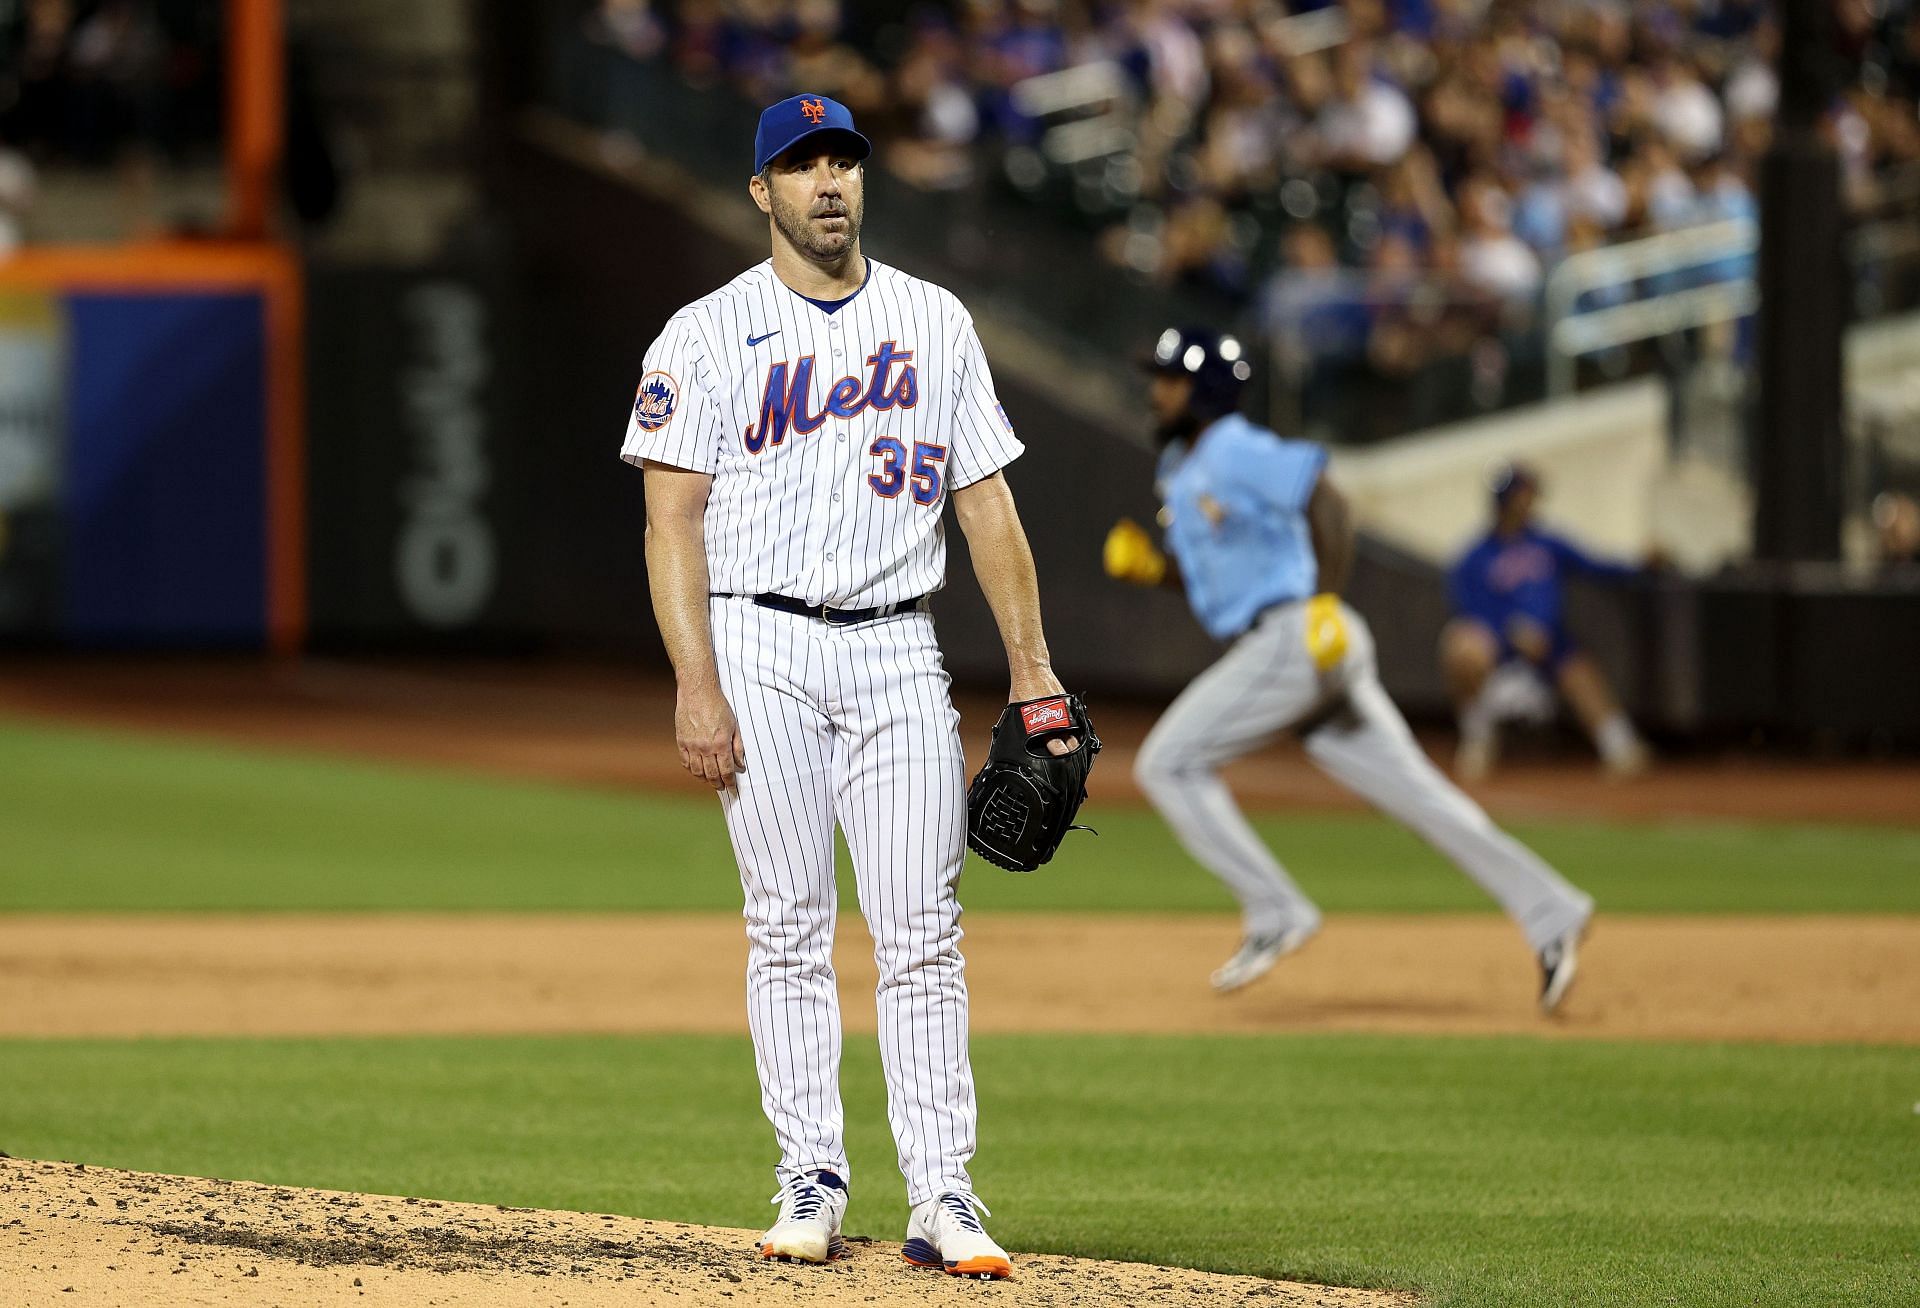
(1786, 979)
(609, 728)
(72, 1235)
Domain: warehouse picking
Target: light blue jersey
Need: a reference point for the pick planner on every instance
(1236, 520)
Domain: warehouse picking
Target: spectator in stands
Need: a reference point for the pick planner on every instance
(1896, 524)
(1752, 87)
(817, 58)
(1593, 191)
(1412, 324)
(1165, 57)
(16, 198)
(1902, 54)
(701, 45)
(1659, 193)
(102, 83)
(630, 26)
(1413, 201)
(1164, 53)
(1012, 40)
(1540, 210)
(114, 60)
(1244, 126)
(1368, 122)
(1493, 136)
(935, 111)
(1493, 260)
(1721, 194)
(1315, 301)
(1197, 248)
(37, 117)
(1508, 636)
(1686, 112)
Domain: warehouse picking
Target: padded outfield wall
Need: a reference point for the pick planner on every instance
(152, 449)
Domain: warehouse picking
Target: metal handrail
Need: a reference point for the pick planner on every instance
(1628, 262)
(1660, 315)
(1046, 94)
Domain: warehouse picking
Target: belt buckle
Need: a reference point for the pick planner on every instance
(826, 615)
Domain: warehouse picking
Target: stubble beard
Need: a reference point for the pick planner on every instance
(816, 245)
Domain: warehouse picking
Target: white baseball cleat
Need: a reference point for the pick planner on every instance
(808, 1229)
(1257, 955)
(1559, 964)
(945, 1233)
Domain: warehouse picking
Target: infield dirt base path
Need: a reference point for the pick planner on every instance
(1690, 978)
(72, 1236)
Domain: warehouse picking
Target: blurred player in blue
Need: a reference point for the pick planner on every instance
(1508, 639)
(1262, 542)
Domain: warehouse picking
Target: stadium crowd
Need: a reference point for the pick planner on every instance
(1389, 180)
(102, 84)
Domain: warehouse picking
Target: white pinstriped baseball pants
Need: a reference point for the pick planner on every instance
(1266, 684)
(855, 724)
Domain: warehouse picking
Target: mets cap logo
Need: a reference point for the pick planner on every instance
(814, 110)
(655, 402)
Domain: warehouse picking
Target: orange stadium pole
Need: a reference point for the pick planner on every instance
(256, 131)
(256, 118)
(286, 456)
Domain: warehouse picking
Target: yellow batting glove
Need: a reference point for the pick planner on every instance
(1131, 555)
(1326, 631)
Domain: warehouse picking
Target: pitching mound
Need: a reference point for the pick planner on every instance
(73, 1235)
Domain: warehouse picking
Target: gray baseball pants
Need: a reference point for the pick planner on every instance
(1265, 684)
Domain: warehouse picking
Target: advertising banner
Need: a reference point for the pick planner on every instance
(32, 362)
(414, 508)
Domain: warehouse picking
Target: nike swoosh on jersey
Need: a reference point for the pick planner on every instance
(753, 340)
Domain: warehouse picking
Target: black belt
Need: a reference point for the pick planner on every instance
(836, 617)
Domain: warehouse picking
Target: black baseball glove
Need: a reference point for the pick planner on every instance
(1022, 802)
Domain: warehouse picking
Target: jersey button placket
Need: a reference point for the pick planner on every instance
(831, 471)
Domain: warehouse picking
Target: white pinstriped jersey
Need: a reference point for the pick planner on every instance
(833, 438)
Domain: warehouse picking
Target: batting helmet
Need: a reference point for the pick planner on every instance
(1217, 363)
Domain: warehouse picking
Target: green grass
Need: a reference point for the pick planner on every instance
(1482, 1172)
(101, 821)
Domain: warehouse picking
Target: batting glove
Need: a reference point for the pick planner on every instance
(1326, 631)
(1130, 555)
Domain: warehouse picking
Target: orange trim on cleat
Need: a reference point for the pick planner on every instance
(836, 1250)
(996, 1269)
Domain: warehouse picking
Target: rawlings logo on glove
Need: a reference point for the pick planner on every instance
(1044, 714)
(1023, 800)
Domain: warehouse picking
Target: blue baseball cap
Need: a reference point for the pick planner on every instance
(794, 119)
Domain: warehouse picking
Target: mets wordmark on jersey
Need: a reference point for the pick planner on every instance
(833, 438)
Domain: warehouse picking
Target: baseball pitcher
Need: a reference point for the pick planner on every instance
(801, 430)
